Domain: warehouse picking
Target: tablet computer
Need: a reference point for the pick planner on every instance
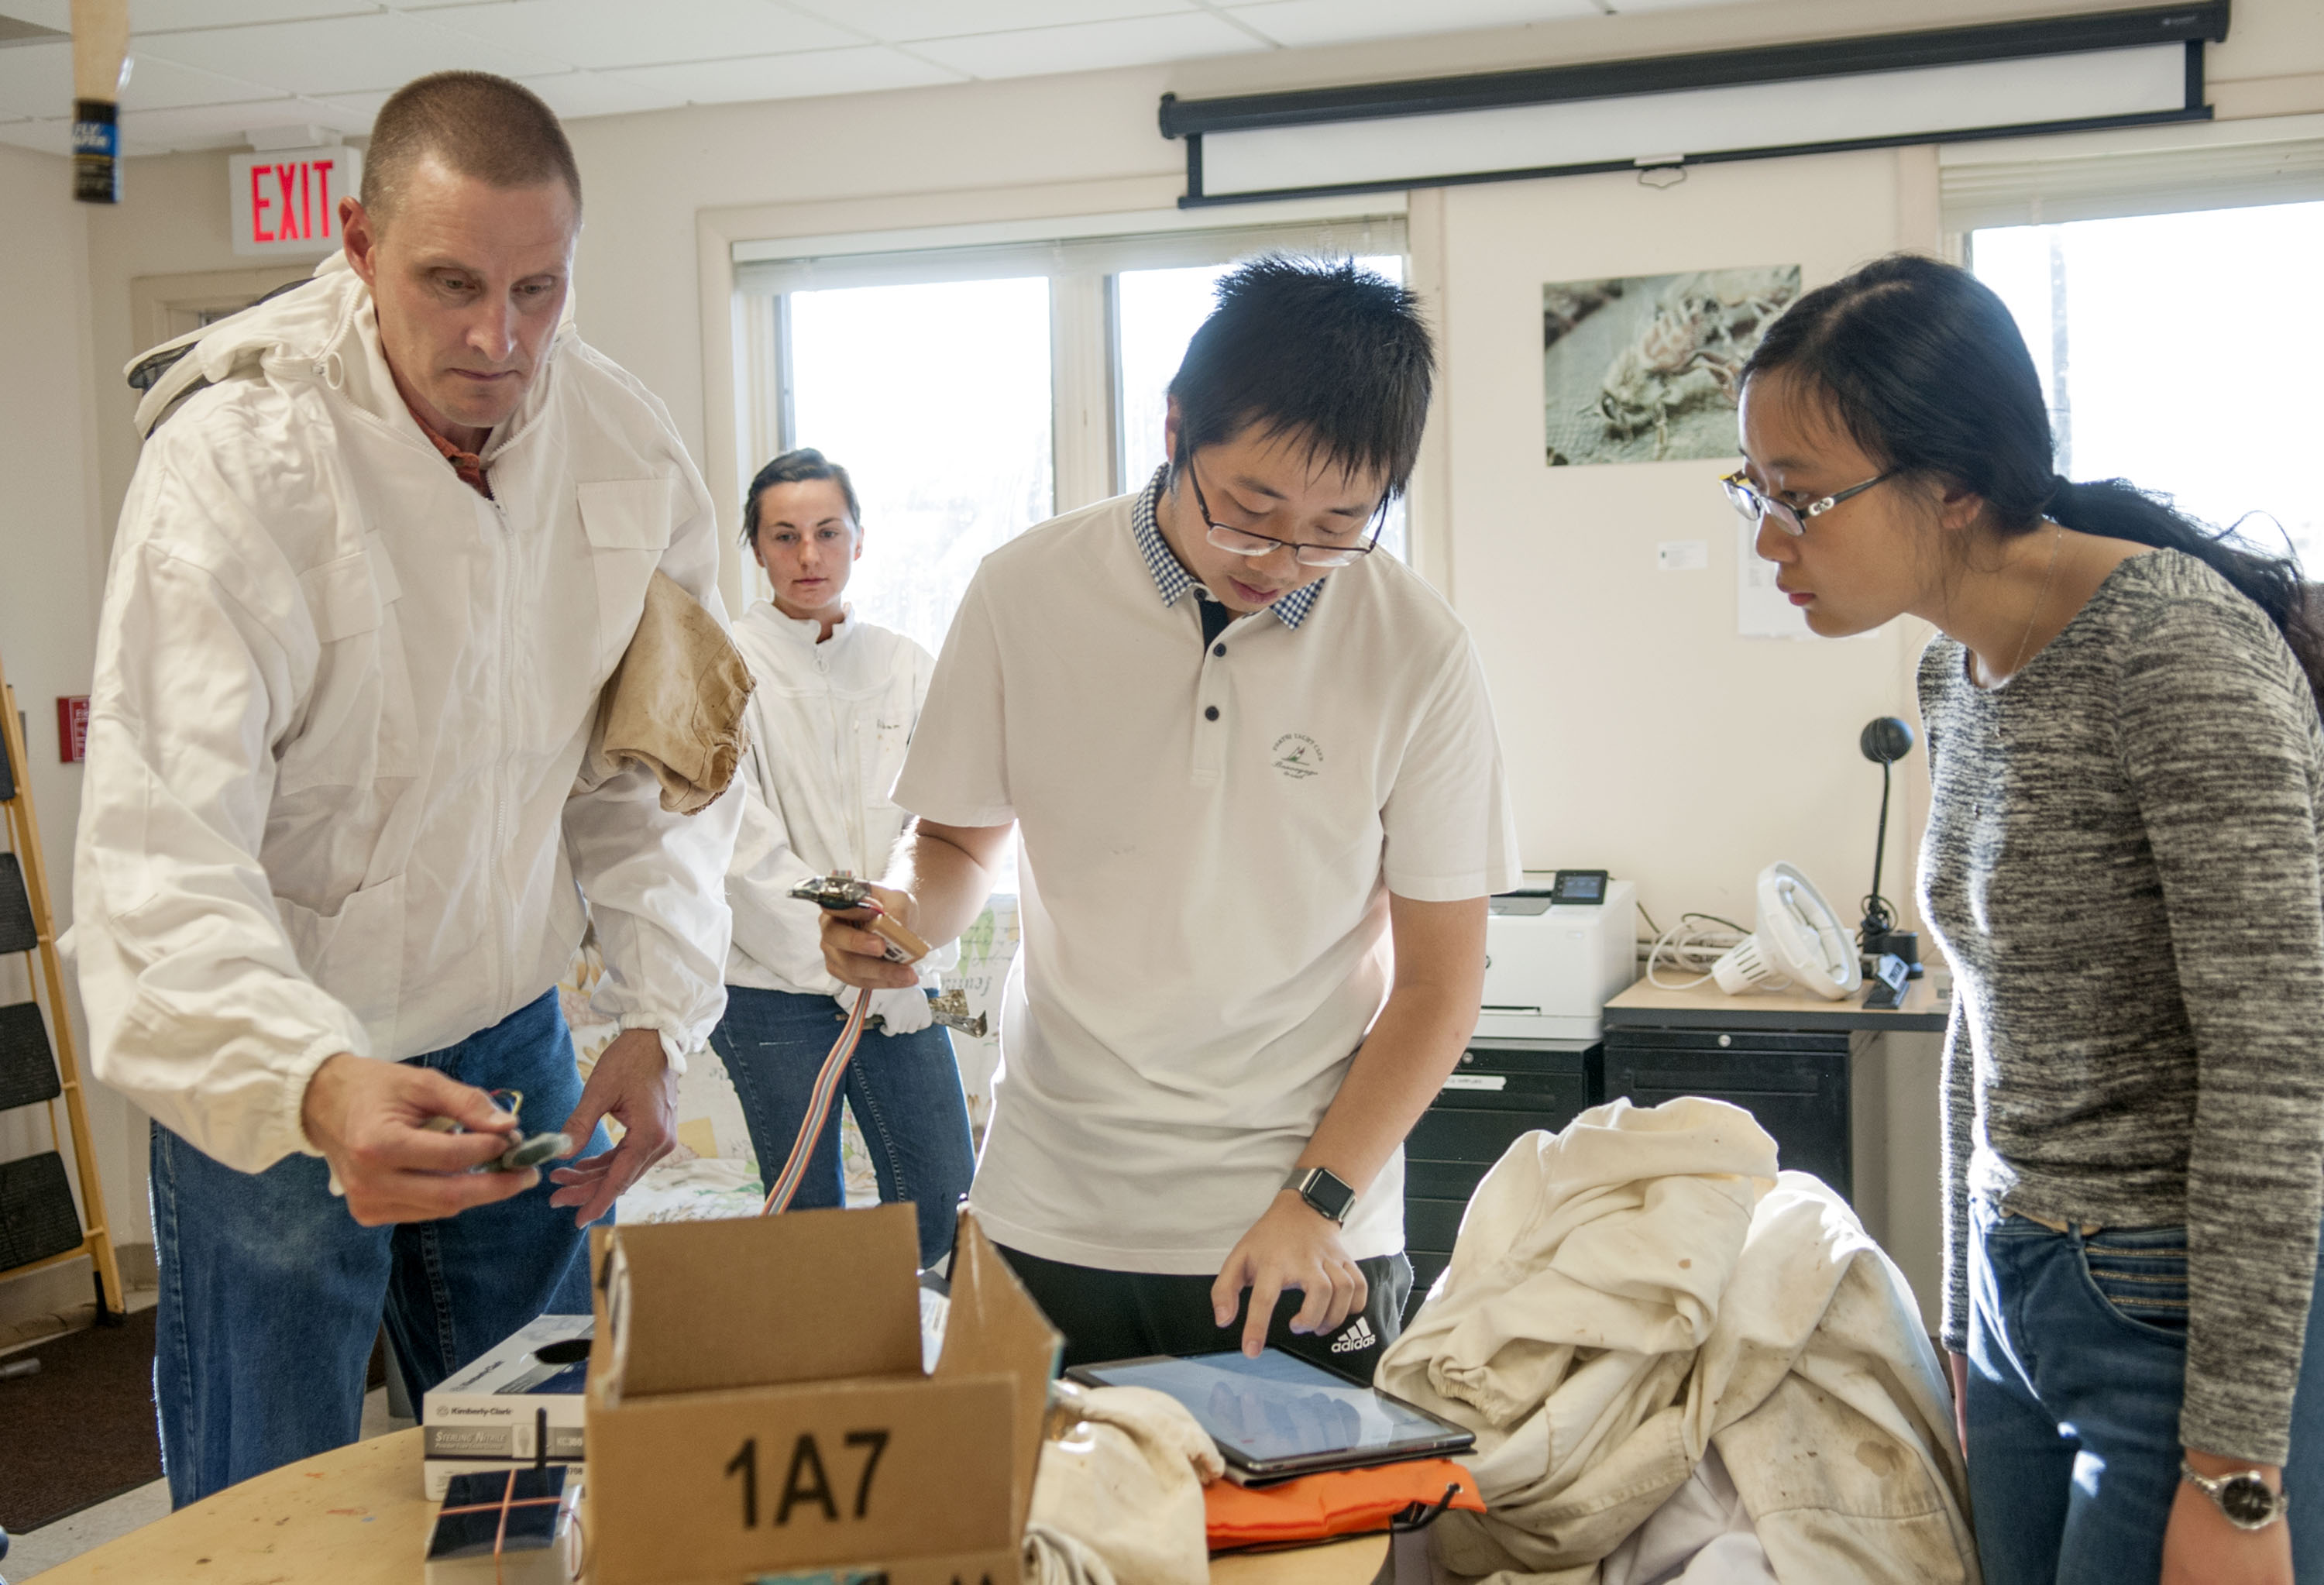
(1278, 1417)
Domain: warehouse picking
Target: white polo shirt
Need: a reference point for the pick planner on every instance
(1209, 834)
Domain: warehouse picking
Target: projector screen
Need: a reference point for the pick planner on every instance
(1899, 106)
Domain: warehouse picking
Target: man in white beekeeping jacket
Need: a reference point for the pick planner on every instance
(372, 575)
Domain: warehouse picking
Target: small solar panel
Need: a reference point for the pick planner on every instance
(7, 772)
(37, 1219)
(16, 931)
(28, 1068)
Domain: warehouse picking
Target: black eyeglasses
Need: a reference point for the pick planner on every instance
(1243, 542)
(1758, 506)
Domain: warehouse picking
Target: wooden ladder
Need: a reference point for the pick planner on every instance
(38, 1226)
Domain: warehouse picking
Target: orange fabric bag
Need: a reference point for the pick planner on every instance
(1344, 1502)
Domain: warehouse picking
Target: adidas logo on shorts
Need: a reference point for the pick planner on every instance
(1358, 1337)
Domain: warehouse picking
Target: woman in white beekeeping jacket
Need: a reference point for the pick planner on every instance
(835, 704)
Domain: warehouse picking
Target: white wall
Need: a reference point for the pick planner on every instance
(1644, 735)
(50, 572)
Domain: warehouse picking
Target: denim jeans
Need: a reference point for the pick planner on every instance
(904, 1089)
(2077, 1355)
(271, 1294)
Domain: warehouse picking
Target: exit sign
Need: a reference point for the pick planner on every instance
(286, 201)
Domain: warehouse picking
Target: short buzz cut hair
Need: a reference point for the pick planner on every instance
(498, 132)
(1326, 353)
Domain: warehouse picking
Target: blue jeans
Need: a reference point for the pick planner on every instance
(2077, 1357)
(271, 1294)
(904, 1089)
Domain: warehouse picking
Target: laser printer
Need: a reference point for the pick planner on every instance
(1555, 951)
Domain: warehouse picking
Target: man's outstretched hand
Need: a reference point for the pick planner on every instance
(370, 1120)
(632, 1084)
(1292, 1246)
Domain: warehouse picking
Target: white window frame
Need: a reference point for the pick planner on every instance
(2175, 169)
(751, 258)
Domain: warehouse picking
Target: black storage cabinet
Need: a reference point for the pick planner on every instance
(1794, 1082)
(1503, 1089)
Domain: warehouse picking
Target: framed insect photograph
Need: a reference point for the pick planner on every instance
(1642, 368)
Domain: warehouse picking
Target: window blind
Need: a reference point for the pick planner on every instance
(2158, 171)
(862, 264)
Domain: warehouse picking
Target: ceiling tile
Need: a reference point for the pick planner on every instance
(1089, 46)
(175, 128)
(576, 94)
(1298, 23)
(360, 109)
(154, 16)
(899, 20)
(16, 30)
(146, 15)
(624, 32)
(163, 85)
(36, 79)
(49, 137)
(340, 55)
(788, 77)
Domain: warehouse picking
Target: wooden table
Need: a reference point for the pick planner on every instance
(1707, 1006)
(356, 1517)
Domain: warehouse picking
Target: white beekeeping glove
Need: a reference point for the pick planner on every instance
(903, 1011)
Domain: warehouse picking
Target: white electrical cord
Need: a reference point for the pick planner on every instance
(1691, 946)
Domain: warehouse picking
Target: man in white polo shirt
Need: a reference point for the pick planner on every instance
(1260, 804)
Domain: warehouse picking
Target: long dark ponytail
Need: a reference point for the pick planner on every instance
(1925, 369)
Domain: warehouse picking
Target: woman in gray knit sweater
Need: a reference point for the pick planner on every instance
(2122, 866)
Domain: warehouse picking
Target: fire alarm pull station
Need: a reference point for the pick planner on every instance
(72, 729)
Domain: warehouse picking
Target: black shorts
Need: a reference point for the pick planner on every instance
(1109, 1315)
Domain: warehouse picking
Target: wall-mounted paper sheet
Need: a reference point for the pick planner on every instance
(1762, 611)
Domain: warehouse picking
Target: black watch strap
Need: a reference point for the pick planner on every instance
(1325, 1192)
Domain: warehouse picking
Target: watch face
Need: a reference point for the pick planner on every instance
(2246, 1500)
(1329, 1196)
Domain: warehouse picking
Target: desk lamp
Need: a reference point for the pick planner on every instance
(1885, 740)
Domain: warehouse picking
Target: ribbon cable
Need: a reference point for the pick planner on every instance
(825, 1096)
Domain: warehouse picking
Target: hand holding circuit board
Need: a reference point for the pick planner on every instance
(523, 1151)
(840, 893)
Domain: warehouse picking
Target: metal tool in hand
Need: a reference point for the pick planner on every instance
(947, 1010)
(522, 1152)
(839, 891)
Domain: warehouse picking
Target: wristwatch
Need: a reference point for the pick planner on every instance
(1326, 1195)
(2244, 1498)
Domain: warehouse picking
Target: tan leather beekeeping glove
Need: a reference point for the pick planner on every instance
(675, 703)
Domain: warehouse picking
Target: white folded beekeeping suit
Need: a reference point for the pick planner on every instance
(1118, 1500)
(1644, 1285)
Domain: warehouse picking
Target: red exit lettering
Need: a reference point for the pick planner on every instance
(300, 199)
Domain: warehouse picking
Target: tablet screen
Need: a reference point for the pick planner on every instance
(1279, 1407)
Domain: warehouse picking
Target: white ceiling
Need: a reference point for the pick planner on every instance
(210, 72)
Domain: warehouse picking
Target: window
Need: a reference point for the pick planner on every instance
(2179, 351)
(935, 397)
(973, 391)
(1155, 312)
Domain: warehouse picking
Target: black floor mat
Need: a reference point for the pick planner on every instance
(82, 1430)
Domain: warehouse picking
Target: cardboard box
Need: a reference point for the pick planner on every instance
(518, 1405)
(757, 1406)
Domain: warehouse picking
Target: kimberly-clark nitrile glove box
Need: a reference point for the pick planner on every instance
(517, 1407)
